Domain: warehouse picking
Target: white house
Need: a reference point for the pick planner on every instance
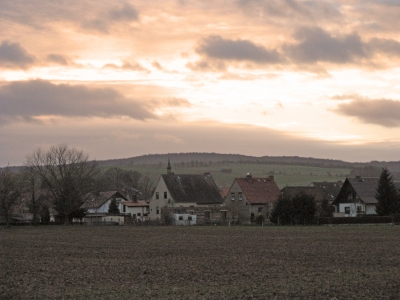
(100, 204)
(138, 209)
(357, 197)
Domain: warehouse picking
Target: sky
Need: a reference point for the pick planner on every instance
(119, 79)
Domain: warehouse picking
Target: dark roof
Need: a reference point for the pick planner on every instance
(259, 190)
(185, 188)
(365, 188)
(326, 190)
(292, 191)
(95, 202)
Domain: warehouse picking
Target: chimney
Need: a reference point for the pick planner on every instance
(249, 177)
(271, 177)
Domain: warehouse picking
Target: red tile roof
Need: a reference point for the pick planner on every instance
(259, 190)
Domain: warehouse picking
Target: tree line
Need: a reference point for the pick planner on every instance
(63, 179)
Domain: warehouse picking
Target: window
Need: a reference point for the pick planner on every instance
(157, 195)
(123, 208)
(260, 209)
(347, 210)
(157, 210)
(232, 196)
(189, 218)
(207, 214)
(180, 218)
(165, 195)
(359, 209)
(139, 214)
(240, 196)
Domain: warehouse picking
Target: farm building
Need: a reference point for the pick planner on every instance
(249, 197)
(185, 192)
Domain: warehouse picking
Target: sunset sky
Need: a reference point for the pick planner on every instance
(255, 77)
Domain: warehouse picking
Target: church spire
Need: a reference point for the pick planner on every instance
(169, 167)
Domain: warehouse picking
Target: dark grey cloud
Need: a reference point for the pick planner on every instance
(30, 99)
(96, 16)
(217, 47)
(13, 55)
(58, 59)
(384, 112)
(104, 20)
(386, 46)
(124, 13)
(291, 9)
(317, 45)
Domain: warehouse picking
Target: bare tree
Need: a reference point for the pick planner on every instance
(67, 174)
(10, 192)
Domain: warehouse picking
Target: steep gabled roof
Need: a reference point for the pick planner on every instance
(365, 188)
(259, 190)
(96, 202)
(186, 188)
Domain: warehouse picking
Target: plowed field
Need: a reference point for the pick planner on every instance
(122, 262)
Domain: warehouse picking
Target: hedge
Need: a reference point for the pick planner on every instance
(361, 220)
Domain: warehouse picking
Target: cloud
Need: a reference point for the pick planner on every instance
(58, 59)
(386, 46)
(291, 9)
(30, 100)
(217, 47)
(317, 45)
(103, 21)
(126, 65)
(384, 112)
(12, 55)
(124, 13)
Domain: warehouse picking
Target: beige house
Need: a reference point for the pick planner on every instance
(184, 192)
(249, 197)
(137, 209)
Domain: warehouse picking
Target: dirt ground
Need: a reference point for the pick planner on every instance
(123, 262)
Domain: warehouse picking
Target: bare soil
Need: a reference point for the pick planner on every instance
(123, 262)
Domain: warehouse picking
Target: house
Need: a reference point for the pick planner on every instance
(185, 193)
(100, 204)
(325, 190)
(137, 209)
(357, 197)
(249, 197)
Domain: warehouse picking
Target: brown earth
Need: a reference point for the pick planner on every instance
(123, 262)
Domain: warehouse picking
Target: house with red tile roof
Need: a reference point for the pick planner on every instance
(249, 197)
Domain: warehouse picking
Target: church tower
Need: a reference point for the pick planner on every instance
(169, 167)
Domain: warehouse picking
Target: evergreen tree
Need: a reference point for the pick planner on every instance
(304, 208)
(326, 210)
(113, 207)
(387, 195)
(283, 211)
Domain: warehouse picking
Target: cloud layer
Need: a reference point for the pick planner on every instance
(384, 112)
(30, 100)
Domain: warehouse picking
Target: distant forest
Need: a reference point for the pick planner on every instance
(195, 159)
